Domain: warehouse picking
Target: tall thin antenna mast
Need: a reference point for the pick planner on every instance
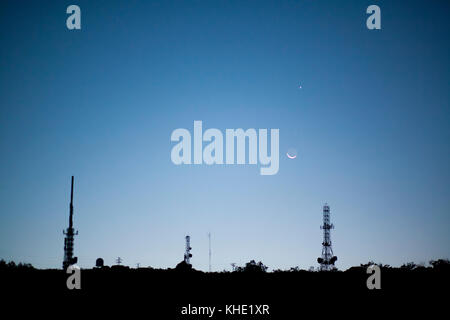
(69, 259)
(209, 238)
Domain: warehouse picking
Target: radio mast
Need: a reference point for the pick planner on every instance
(69, 259)
(209, 239)
(327, 260)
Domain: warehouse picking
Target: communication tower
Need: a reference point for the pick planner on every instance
(70, 232)
(327, 260)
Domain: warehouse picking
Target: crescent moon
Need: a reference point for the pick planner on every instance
(290, 157)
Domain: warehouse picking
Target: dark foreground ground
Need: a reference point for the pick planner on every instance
(162, 294)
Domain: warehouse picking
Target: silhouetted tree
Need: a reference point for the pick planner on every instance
(367, 264)
(441, 264)
(12, 265)
(408, 266)
(183, 266)
(252, 266)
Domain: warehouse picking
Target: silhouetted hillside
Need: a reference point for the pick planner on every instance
(166, 291)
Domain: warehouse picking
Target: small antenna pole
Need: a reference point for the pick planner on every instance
(209, 240)
(187, 253)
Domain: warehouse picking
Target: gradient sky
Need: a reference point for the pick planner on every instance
(370, 124)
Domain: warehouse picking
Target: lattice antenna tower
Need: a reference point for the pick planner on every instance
(327, 259)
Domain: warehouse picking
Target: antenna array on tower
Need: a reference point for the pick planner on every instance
(70, 232)
(327, 260)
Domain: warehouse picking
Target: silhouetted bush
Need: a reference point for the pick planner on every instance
(293, 269)
(441, 264)
(12, 265)
(183, 266)
(370, 263)
(408, 266)
(252, 266)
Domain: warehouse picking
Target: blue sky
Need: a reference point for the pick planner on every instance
(370, 124)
